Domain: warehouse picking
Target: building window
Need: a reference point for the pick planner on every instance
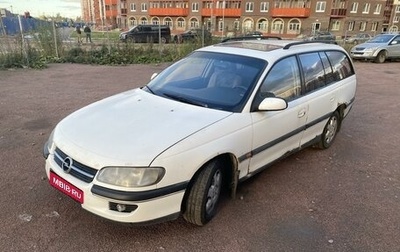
(132, 21)
(236, 25)
(220, 25)
(264, 6)
(180, 23)
(143, 21)
(168, 21)
(294, 26)
(378, 9)
(155, 21)
(277, 26)
(320, 7)
(154, 5)
(396, 19)
(262, 25)
(363, 26)
(366, 8)
(248, 25)
(194, 23)
(133, 7)
(354, 7)
(374, 26)
(249, 7)
(335, 25)
(397, 9)
(351, 26)
(195, 7)
(143, 7)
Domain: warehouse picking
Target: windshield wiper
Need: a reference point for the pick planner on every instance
(185, 100)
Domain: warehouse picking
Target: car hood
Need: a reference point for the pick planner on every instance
(368, 45)
(130, 128)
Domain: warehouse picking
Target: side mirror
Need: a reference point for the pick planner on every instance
(153, 76)
(394, 42)
(272, 104)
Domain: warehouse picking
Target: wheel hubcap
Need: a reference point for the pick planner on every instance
(331, 130)
(214, 191)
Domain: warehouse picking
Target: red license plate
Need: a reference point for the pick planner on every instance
(66, 187)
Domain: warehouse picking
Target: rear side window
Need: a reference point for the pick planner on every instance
(313, 70)
(341, 65)
(324, 68)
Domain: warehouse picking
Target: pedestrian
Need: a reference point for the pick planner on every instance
(78, 33)
(88, 32)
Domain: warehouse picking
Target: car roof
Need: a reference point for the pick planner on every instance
(270, 50)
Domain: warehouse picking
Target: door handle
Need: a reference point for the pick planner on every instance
(301, 113)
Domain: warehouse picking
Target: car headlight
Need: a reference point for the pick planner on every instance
(47, 145)
(372, 49)
(131, 176)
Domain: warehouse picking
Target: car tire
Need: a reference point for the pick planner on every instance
(381, 57)
(204, 195)
(330, 131)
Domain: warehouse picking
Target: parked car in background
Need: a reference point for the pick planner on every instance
(192, 35)
(379, 49)
(254, 34)
(358, 38)
(147, 33)
(322, 36)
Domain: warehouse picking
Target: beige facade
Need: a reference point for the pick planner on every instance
(290, 18)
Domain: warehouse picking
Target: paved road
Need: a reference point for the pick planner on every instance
(346, 198)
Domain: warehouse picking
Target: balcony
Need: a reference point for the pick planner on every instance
(173, 12)
(291, 12)
(218, 12)
(338, 12)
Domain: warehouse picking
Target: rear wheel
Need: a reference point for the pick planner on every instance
(330, 131)
(381, 57)
(204, 195)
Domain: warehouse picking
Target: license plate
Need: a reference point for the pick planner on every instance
(66, 187)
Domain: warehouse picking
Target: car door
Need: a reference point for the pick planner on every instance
(321, 99)
(275, 133)
(394, 47)
(325, 75)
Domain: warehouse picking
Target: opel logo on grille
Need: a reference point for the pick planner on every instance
(66, 164)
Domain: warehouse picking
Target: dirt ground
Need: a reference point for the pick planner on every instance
(346, 198)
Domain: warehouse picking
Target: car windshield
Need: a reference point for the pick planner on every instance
(381, 39)
(212, 80)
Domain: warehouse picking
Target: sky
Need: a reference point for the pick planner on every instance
(66, 8)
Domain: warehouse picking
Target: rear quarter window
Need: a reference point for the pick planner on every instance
(341, 65)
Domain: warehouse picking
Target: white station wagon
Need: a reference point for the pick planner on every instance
(204, 124)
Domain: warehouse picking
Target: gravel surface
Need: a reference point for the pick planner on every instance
(346, 198)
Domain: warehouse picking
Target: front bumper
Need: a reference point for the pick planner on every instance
(362, 55)
(144, 207)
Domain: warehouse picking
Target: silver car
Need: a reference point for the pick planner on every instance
(378, 49)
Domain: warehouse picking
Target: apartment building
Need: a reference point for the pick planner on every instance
(285, 18)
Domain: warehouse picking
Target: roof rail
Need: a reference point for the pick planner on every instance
(250, 38)
(308, 42)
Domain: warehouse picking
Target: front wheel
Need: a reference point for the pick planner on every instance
(204, 195)
(330, 131)
(381, 57)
